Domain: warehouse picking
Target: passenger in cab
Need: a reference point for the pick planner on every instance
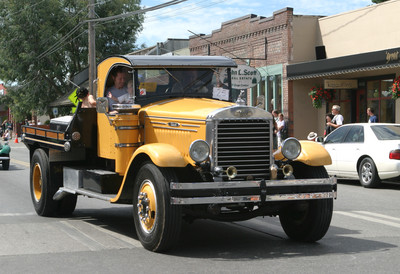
(87, 99)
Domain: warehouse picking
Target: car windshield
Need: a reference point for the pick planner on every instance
(386, 132)
(160, 83)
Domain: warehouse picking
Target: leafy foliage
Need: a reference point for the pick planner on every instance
(378, 1)
(45, 42)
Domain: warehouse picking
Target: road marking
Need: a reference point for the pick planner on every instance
(22, 163)
(371, 219)
(119, 236)
(17, 214)
(378, 215)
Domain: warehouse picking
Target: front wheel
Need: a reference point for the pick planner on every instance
(307, 221)
(157, 222)
(368, 174)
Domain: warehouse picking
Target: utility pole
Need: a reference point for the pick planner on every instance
(92, 50)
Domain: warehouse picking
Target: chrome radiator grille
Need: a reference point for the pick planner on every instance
(244, 144)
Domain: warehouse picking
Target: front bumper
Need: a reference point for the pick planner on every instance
(252, 191)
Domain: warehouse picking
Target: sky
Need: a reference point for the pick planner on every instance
(204, 16)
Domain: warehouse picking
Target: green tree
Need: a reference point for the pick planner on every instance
(44, 42)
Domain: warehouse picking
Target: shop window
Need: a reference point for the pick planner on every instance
(278, 92)
(343, 99)
(271, 89)
(270, 92)
(378, 97)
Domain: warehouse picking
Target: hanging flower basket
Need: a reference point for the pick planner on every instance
(396, 88)
(319, 95)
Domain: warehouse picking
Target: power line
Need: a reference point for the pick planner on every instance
(167, 4)
(60, 43)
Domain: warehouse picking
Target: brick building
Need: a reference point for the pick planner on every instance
(268, 44)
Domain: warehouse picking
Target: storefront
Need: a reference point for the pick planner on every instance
(355, 82)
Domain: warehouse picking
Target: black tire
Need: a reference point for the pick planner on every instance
(43, 190)
(160, 229)
(6, 164)
(368, 174)
(307, 221)
(67, 205)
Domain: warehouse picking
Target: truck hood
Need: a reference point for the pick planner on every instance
(193, 108)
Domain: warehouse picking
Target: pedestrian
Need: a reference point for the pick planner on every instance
(10, 129)
(328, 119)
(6, 135)
(275, 113)
(338, 119)
(280, 127)
(372, 117)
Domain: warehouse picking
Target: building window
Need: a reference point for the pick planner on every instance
(268, 89)
(343, 99)
(270, 92)
(1, 91)
(278, 92)
(378, 97)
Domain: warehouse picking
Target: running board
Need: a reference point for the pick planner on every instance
(63, 191)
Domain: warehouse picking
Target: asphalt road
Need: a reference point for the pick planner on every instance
(100, 237)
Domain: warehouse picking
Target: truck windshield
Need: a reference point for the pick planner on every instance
(157, 84)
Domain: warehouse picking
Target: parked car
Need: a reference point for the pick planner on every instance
(367, 152)
(5, 155)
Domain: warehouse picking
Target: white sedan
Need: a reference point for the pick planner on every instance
(367, 152)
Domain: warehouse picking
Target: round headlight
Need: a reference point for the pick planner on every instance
(199, 151)
(291, 148)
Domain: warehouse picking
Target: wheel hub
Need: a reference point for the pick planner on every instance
(366, 173)
(37, 182)
(146, 207)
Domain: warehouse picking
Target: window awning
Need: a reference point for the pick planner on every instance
(370, 61)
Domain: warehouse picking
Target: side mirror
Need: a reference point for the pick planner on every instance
(320, 139)
(102, 105)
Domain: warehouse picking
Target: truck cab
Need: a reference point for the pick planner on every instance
(177, 148)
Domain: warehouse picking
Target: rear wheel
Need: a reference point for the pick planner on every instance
(157, 222)
(43, 190)
(368, 174)
(6, 164)
(307, 221)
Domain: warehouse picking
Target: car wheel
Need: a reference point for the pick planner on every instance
(6, 164)
(157, 222)
(368, 174)
(307, 221)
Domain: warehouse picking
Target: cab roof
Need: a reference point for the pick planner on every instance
(178, 61)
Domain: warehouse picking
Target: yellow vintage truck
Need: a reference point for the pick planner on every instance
(178, 150)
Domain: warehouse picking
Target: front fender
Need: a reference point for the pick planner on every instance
(312, 154)
(162, 155)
